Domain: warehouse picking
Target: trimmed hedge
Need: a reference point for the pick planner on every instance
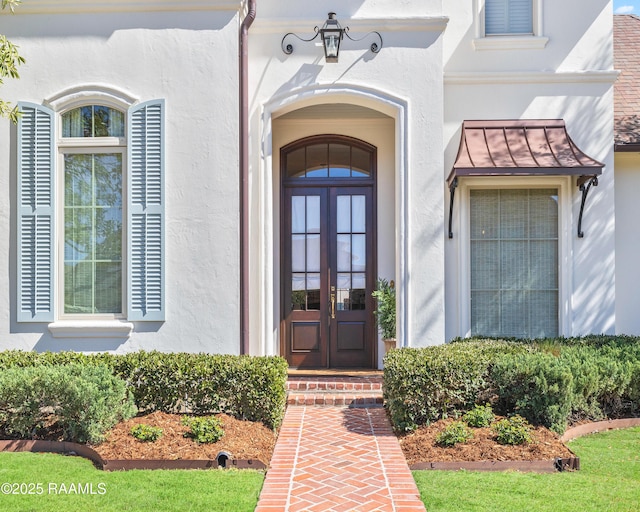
(424, 385)
(84, 400)
(549, 382)
(251, 388)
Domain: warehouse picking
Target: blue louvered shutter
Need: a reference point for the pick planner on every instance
(508, 17)
(145, 220)
(35, 214)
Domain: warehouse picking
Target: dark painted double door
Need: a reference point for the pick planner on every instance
(327, 276)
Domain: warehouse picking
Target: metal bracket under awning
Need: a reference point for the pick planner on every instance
(584, 184)
(527, 147)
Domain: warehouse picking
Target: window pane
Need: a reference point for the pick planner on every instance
(358, 223)
(508, 17)
(344, 253)
(78, 180)
(360, 162)
(344, 214)
(317, 161)
(339, 161)
(298, 253)
(358, 253)
(295, 164)
(108, 287)
(313, 214)
(298, 219)
(93, 121)
(93, 233)
(78, 287)
(485, 214)
(313, 253)
(514, 273)
(108, 179)
(108, 234)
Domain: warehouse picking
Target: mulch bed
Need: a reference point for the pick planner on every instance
(420, 446)
(241, 440)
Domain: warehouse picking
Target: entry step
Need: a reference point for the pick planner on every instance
(335, 391)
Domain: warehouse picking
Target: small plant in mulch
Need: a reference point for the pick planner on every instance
(146, 433)
(512, 431)
(456, 432)
(480, 416)
(203, 429)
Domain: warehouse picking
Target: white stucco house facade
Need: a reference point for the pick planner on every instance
(181, 180)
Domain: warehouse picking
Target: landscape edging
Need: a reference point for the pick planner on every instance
(537, 466)
(68, 448)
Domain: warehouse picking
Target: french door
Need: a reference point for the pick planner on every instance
(328, 266)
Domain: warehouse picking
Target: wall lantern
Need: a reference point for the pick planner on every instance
(331, 35)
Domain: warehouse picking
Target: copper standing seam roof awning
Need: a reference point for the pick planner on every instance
(525, 147)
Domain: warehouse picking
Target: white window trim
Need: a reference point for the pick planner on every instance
(564, 186)
(103, 147)
(88, 326)
(537, 41)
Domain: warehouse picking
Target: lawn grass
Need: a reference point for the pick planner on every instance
(608, 481)
(157, 491)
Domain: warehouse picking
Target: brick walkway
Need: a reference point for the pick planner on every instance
(338, 458)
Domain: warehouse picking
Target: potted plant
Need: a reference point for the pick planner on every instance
(385, 295)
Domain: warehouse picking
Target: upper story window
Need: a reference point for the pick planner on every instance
(509, 25)
(508, 17)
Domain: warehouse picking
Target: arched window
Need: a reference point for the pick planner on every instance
(328, 157)
(92, 203)
(91, 210)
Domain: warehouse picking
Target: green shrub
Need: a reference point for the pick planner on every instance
(480, 416)
(454, 433)
(513, 430)
(203, 429)
(146, 433)
(250, 388)
(84, 400)
(538, 386)
(424, 385)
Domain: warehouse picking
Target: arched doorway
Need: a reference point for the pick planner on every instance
(328, 258)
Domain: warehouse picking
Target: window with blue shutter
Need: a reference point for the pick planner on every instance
(90, 246)
(508, 17)
(146, 212)
(35, 214)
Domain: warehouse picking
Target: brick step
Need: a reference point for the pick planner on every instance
(336, 398)
(337, 391)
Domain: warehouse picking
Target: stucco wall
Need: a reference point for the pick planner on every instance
(404, 81)
(627, 243)
(191, 60)
(571, 78)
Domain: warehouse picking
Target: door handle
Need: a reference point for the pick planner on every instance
(333, 305)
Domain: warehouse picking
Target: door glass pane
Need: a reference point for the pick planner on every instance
(344, 253)
(313, 214)
(358, 223)
(317, 165)
(313, 253)
(343, 212)
(359, 280)
(298, 253)
(339, 161)
(298, 282)
(313, 291)
(297, 214)
(358, 253)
